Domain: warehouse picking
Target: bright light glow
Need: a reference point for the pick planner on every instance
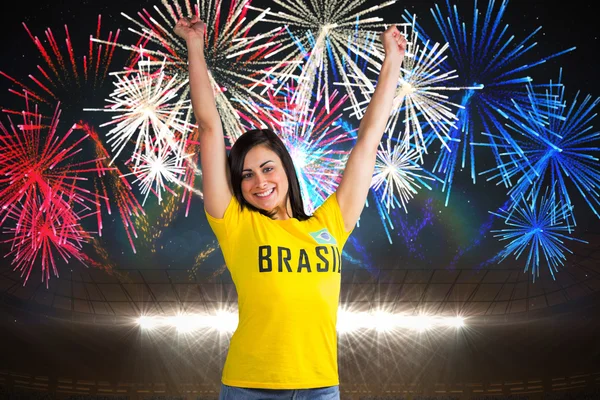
(148, 322)
(225, 321)
(185, 323)
(382, 321)
(457, 322)
(348, 322)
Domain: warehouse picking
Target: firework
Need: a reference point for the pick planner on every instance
(42, 191)
(151, 229)
(552, 145)
(45, 228)
(484, 53)
(396, 174)
(153, 168)
(323, 39)
(66, 76)
(397, 178)
(121, 193)
(419, 97)
(235, 58)
(533, 228)
(104, 262)
(315, 141)
(147, 111)
(201, 257)
(35, 160)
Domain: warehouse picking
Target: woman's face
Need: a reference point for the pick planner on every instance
(264, 181)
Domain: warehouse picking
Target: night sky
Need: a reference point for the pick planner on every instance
(429, 236)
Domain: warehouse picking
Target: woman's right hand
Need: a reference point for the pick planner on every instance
(191, 29)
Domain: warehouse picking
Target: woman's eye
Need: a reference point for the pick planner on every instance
(268, 169)
(246, 176)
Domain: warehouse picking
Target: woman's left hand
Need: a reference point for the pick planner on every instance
(394, 43)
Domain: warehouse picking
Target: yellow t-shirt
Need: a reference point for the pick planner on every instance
(287, 275)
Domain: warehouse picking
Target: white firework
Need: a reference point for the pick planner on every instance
(158, 166)
(235, 58)
(148, 109)
(420, 96)
(397, 175)
(320, 36)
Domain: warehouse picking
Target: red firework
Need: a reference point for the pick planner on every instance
(41, 190)
(45, 228)
(67, 77)
(35, 158)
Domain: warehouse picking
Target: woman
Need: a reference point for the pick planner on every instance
(286, 265)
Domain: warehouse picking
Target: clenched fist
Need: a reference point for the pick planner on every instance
(394, 43)
(191, 29)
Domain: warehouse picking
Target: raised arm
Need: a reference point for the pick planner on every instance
(213, 158)
(356, 181)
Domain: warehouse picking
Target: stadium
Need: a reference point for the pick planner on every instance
(474, 270)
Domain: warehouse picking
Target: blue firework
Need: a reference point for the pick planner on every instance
(483, 52)
(533, 230)
(552, 146)
(409, 233)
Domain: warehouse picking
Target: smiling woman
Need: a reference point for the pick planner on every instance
(254, 205)
(263, 176)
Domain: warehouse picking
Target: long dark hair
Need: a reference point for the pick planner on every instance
(236, 158)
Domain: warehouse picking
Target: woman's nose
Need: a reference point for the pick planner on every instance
(260, 180)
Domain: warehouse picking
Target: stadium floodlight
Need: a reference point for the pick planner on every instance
(348, 322)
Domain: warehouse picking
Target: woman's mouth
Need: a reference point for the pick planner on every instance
(266, 194)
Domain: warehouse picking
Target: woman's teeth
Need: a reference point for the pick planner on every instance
(265, 194)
